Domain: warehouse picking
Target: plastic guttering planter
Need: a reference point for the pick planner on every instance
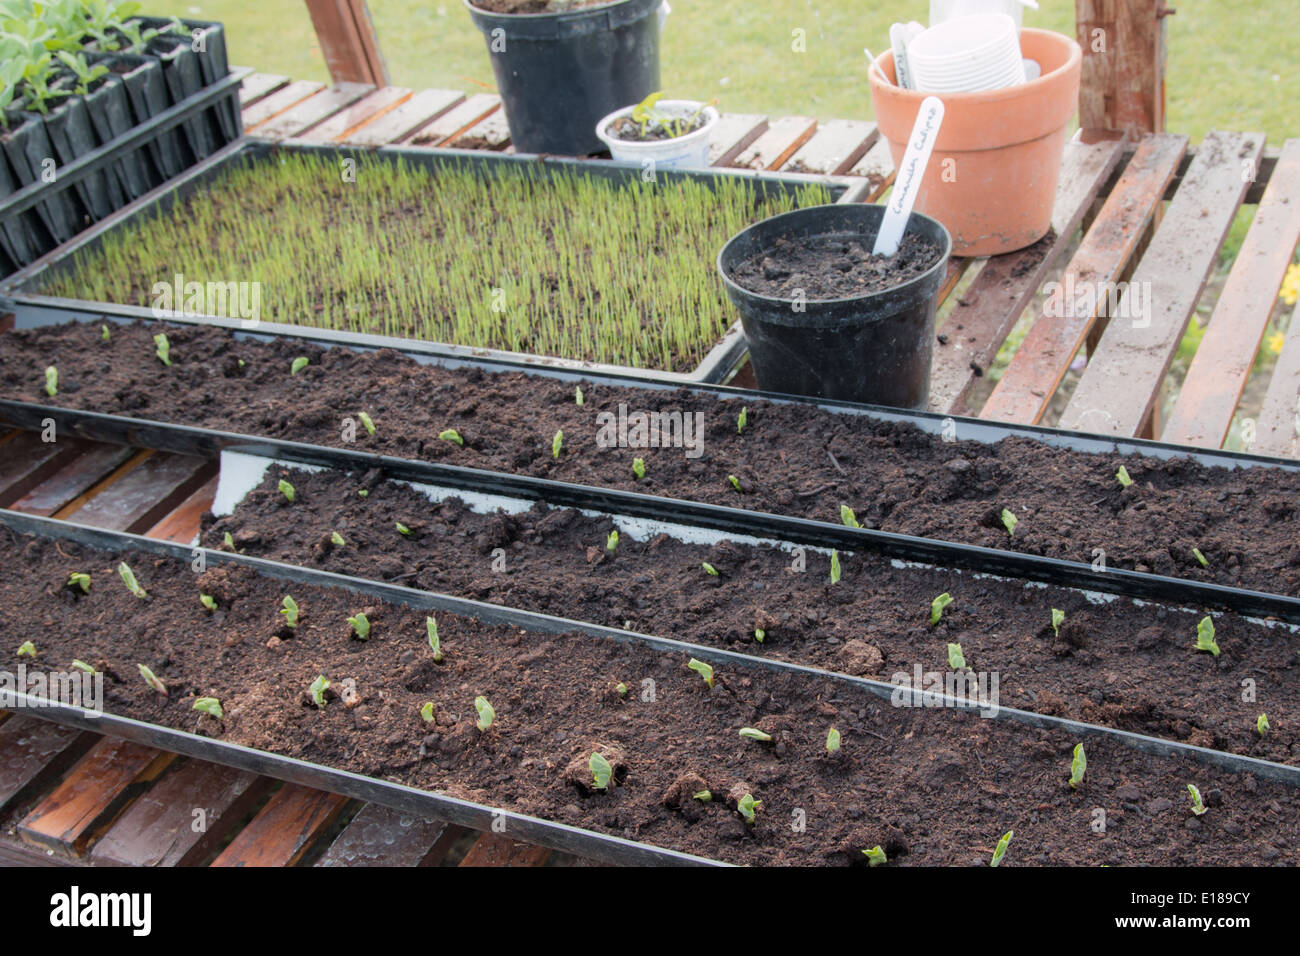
(718, 365)
(872, 348)
(559, 73)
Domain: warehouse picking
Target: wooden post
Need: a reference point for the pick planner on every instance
(1122, 93)
(347, 40)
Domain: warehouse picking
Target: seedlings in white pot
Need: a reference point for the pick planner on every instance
(78, 579)
(435, 645)
(753, 733)
(51, 381)
(360, 627)
(317, 691)
(128, 577)
(152, 680)
(601, 771)
(290, 611)
(486, 715)
(1001, 849)
(451, 435)
(163, 349)
(1205, 637)
(300, 363)
(210, 706)
(937, 606)
(286, 489)
(703, 669)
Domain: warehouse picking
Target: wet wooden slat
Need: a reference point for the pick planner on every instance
(302, 117)
(285, 829)
(492, 132)
(457, 120)
(834, 148)
(141, 498)
(402, 121)
(276, 103)
(496, 849)
(1218, 373)
(1121, 385)
(733, 132)
(991, 305)
(1029, 382)
(92, 795)
(351, 117)
(778, 142)
(161, 828)
(381, 836)
(27, 461)
(73, 479)
(255, 86)
(182, 524)
(876, 166)
(1277, 430)
(33, 753)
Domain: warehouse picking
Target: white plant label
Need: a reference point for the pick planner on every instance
(910, 172)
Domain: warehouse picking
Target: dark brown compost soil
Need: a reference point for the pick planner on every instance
(832, 267)
(1120, 664)
(625, 128)
(930, 786)
(790, 459)
(537, 6)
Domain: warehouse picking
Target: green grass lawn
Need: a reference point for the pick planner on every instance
(1229, 67)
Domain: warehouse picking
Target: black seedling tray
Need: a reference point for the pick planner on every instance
(438, 806)
(718, 365)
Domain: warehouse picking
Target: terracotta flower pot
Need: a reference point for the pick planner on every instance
(992, 178)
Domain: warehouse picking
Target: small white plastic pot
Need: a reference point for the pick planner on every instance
(685, 152)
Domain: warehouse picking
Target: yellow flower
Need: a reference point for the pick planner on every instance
(1291, 285)
(1275, 342)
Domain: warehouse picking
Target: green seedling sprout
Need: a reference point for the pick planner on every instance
(638, 468)
(1198, 806)
(208, 601)
(1009, 521)
(77, 579)
(435, 645)
(557, 443)
(621, 689)
(1205, 637)
(426, 712)
(1058, 618)
(956, 659)
(451, 435)
(228, 540)
(486, 715)
(363, 492)
(709, 569)
(1001, 849)
(832, 741)
(1196, 553)
(1078, 767)
(51, 381)
(601, 771)
(132, 585)
(104, 334)
(760, 635)
(337, 540)
(367, 422)
(704, 796)
(289, 609)
(735, 482)
(1122, 477)
(28, 649)
(746, 806)
(210, 706)
(300, 363)
(317, 691)
(83, 666)
(753, 733)
(875, 856)
(611, 543)
(937, 606)
(836, 571)
(1261, 724)
(703, 669)
(152, 679)
(402, 529)
(163, 349)
(286, 489)
(578, 397)
(742, 420)
(360, 627)
(848, 518)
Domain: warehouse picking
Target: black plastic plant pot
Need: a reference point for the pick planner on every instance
(180, 68)
(559, 73)
(872, 348)
(26, 145)
(146, 94)
(111, 115)
(17, 233)
(68, 127)
(207, 42)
